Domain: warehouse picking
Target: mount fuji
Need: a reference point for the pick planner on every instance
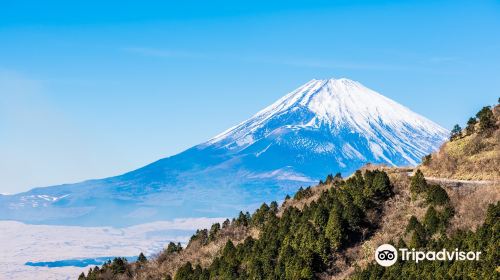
(324, 126)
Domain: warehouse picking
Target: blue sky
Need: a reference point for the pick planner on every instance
(90, 89)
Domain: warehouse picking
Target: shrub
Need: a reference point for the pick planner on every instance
(426, 160)
(471, 126)
(435, 195)
(418, 183)
(486, 119)
(412, 224)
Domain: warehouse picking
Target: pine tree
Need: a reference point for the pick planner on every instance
(486, 119)
(173, 248)
(435, 195)
(329, 179)
(431, 220)
(141, 258)
(471, 126)
(119, 265)
(492, 214)
(418, 238)
(412, 224)
(214, 230)
(381, 185)
(273, 207)
(456, 132)
(185, 272)
(418, 183)
(334, 229)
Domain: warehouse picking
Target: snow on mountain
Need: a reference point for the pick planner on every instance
(324, 126)
(340, 106)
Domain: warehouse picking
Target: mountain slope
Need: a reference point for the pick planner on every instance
(300, 240)
(474, 154)
(325, 126)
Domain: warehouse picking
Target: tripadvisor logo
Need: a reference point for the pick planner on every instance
(387, 255)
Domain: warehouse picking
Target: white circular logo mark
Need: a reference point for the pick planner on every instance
(386, 255)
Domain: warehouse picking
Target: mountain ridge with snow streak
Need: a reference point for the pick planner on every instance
(324, 126)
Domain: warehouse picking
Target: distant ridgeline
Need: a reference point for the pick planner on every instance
(333, 229)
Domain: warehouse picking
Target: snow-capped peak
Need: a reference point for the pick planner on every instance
(335, 103)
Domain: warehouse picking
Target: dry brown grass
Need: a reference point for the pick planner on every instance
(472, 157)
(470, 205)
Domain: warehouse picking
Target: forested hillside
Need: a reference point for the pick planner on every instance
(331, 231)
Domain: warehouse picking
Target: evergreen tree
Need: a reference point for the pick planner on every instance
(200, 236)
(486, 119)
(329, 179)
(456, 132)
(185, 272)
(214, 230)
(471, 126)
(141, 258)
(419, 237)
(412, 224)
(435, 195)
(243, 219)
(119, 265)
(381, 185)
(418, 184)
(334, 229)
(273, 207)
(173, 248)
(431, 220)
